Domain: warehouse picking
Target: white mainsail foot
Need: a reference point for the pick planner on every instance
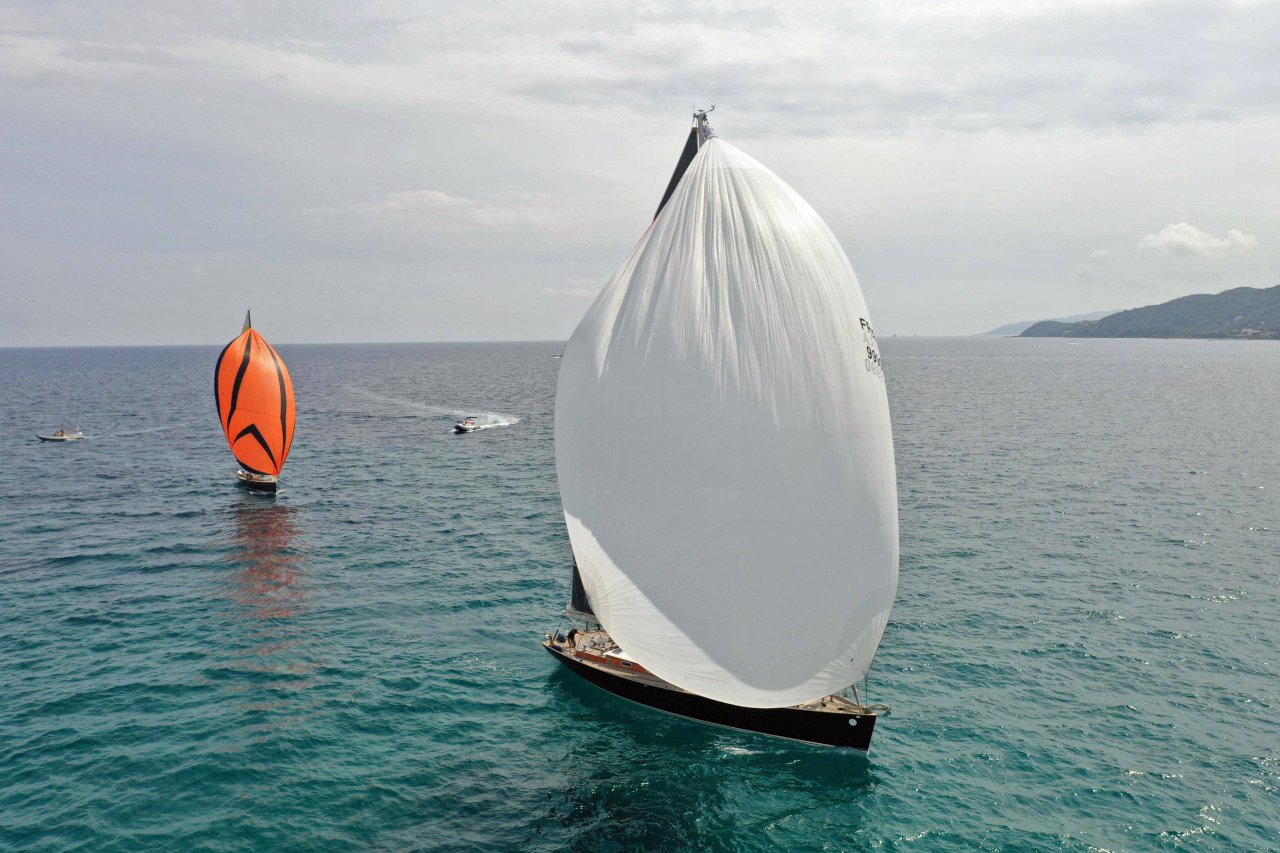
(752, 561)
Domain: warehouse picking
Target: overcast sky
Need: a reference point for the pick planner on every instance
(393, 170)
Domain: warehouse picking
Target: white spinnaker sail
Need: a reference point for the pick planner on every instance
(724, 449)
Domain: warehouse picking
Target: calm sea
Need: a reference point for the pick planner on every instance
(1083, 654)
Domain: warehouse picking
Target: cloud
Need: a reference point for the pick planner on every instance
(1096, 270)
(576, 288)
(488, 165)
(919, 67)
(120, 55)
(434, 209)
(1182, 239)
(438, 211)
(911, 66)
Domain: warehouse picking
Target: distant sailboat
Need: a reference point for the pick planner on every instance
(254, 397)
(740, 573)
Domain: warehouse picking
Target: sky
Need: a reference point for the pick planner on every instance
(395, 170)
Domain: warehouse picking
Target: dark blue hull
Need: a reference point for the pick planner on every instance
(822, 727)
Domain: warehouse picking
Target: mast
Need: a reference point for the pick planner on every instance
(248, 324)
(705, 131)
(700, 132)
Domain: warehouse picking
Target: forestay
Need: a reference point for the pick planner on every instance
(724, 449)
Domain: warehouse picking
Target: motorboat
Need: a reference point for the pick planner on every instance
(62, 435)
(466, 425)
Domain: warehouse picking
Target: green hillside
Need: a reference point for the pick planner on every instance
(1245, 312)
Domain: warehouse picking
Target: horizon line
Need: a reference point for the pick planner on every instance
(393, 343)
(285, 344)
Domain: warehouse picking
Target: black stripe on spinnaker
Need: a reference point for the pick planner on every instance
(284, 404)
(217, 371)
(252, 429)
(686, 157)
(235, 389)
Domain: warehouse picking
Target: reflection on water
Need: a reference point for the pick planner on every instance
(269, 583)
(635, 778)
(270, 651)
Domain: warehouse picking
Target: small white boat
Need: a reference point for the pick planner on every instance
(466, 425)
(62, 435)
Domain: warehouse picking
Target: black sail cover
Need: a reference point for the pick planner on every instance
(578, 596)
(686, 157)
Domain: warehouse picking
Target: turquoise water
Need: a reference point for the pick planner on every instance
(1082, 656)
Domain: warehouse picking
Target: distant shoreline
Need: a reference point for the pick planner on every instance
(1242, 313)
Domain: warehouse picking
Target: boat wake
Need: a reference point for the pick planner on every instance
(489, 420)
(484, 420)
(129, 433)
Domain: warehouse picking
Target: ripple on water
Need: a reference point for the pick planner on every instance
(1081, 656)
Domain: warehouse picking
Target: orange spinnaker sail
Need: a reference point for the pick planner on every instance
(254, 395)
